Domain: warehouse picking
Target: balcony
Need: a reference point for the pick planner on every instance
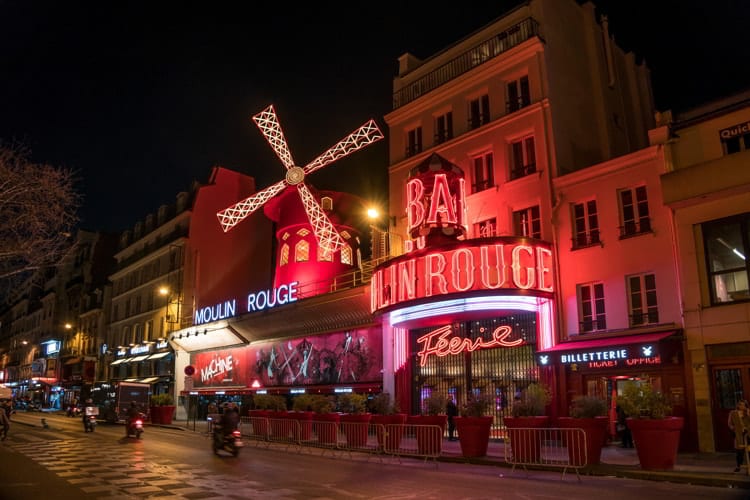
(644, 318)
(635, 228)
(477, 55)
(585, 240)
(522, 171)
(592, 325)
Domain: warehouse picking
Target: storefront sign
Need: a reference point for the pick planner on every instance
(734, 131)
(218, 366)
(437, 342)
(476, 265)
(610, 357)
(256, 301)
(139, 349)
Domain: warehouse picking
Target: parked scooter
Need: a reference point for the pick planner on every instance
(135, 426)
(230, 442)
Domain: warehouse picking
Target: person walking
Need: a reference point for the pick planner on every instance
(452, 411)
(626, 437)
(739, 424)
(5, 424)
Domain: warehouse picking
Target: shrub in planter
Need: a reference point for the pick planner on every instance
(325, 421)
(429, 437)
(474, 425)
(588, 413)
(388, 421)
(656, 434)
(528, 415)
(162, 408)
(355, 420)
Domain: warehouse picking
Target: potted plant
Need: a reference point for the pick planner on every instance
(588, 413)
(473, 425)
(265, 416)
(656, 433)
(303, 413)
(389, 421)
(430, 427)
(162, 408)
(325, 420)
(528, 416)
(355, 420)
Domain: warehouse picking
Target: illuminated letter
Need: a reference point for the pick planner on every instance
(543, 256)
(461, 206)
(497, 270)
(441, 203)
(407, 278)
(434, 267)
(467, 269)
(516, 259)
(282, 295)
(414, 207)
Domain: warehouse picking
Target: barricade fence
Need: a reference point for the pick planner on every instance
(564, 448)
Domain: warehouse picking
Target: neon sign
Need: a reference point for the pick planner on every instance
(436, 342)
(440, 209)
(256, 301)
(477, 265)
(643, 355)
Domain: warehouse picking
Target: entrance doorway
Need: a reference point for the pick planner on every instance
(729, 385)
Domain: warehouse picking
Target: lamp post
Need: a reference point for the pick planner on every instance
(380, 247)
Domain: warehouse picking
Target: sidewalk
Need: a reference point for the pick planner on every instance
(707, 469)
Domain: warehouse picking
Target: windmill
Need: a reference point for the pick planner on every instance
(328, 238)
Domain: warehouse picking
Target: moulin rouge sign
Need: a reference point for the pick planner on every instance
(436, 213)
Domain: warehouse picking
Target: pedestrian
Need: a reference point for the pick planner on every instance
(626, 437)
(452, 411)
(5, 423)
(739, 424)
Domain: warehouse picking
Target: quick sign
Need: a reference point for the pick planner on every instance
(734, 131)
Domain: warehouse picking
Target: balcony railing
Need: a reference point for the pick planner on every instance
(488, 49)
(522, 171)
(634, 228)
(584, 240)
(592, 325)
(644, 318)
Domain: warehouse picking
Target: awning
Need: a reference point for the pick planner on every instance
(121, 360)
(138, 358)
(151, 380)
(159, 355)
(631, 350)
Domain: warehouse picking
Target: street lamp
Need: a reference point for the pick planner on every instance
(380, 247)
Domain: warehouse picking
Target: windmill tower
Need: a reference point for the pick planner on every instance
(325, 252)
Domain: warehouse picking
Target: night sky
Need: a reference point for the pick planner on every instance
(141, 99)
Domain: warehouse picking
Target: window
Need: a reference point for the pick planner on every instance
(518, 94)
(479, 112)
(585, 225)
(346, 255)
(591, 307)
(527, 222)
(302, 251)
(149, 331)
(138, 329)
(326, 203)
(443, 128)
(642, 298)
(733, 140)
(125, 336)
(726, 248)
(414, 141)
(284, 255)
(523, 158)
(634, 211)
(324, 255)
(486, 228)
(483, 173)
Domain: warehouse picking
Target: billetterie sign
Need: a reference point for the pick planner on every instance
(486, 264)
(256, 301)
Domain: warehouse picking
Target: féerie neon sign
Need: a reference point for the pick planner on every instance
(436, 342)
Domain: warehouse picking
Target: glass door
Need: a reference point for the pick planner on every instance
(730, 384)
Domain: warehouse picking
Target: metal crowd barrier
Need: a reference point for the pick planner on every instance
(550, 446)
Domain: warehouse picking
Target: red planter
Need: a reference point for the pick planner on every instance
(356, 428)
(326, 427)
(525, 440)
(162, 414)
(656, 441)
(429, 439)
(390, 429)
(473, 435)
(304, 431)
(596, 434)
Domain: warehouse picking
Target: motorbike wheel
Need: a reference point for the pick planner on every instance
(235, 451)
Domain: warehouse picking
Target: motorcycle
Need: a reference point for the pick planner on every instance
(135, 426)
(230, 442)
(74, 411)
(89, 419)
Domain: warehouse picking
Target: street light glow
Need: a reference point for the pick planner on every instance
(373, 213)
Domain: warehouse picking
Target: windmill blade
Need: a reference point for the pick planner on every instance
(230, 217)
(269, 125)
(329, 240)
(363, 136)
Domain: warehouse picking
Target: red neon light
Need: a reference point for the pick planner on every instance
(443, 207)
(436, 342)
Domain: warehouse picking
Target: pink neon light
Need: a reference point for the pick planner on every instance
(436, 343)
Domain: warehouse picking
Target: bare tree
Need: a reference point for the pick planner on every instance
(38, 207)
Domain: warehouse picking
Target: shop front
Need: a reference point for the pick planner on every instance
(599, 365)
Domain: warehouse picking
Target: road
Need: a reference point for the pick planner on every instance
(64, 462)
